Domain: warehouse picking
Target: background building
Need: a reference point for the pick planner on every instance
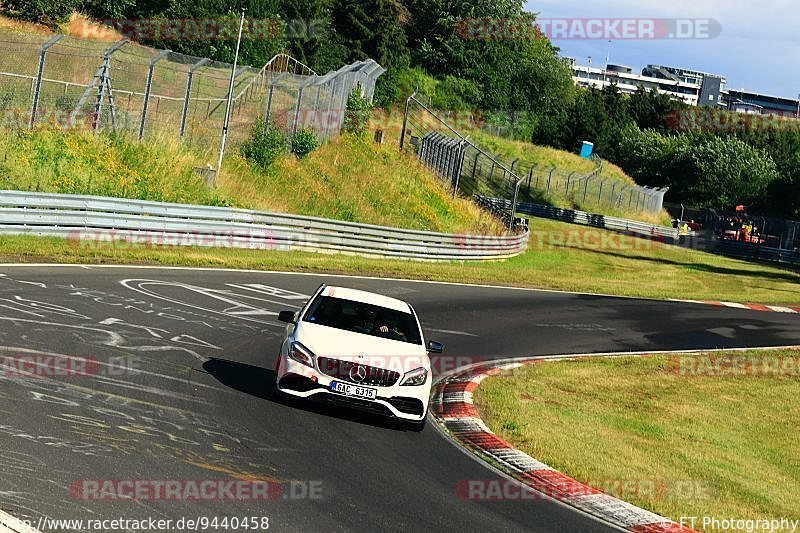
(692, 87)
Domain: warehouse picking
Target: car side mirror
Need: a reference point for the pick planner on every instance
(435, 347)
(286, 316)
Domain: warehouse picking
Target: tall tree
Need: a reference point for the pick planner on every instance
(374, 29)
(311, 36)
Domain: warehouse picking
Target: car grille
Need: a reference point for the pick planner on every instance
(375, 377)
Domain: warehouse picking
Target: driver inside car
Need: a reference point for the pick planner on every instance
(389, 327)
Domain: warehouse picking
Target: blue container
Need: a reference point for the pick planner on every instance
(587, 149)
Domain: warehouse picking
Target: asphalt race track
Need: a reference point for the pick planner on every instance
(183, 392)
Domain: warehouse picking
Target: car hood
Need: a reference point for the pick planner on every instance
(361, 348)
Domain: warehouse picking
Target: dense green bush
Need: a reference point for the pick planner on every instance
(356, 116)
(700, 169)
(265, 144)
(49, 12)
(304, 142)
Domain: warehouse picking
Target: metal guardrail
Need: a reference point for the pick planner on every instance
(88, 219)
(753, 252)
(737, 250)
(586, 219)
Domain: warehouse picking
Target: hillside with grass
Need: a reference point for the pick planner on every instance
(544, 157)
(349, 179)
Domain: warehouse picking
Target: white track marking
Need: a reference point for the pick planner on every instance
(324, 275)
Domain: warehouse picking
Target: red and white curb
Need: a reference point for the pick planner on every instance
(453, 408)
(751, 307)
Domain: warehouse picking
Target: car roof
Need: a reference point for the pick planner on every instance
(367, 298)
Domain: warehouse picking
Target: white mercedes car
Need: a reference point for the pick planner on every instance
(359, 349)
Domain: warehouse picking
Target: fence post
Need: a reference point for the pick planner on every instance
(147, 88)
(39, 71)
(300, 92)
(549, 177)
(514, 204)
(569, 178)
(268, 109)
(530, 177)
(585, 188)
(475, 169)
(189, 78)
(331, 90)
(297, 109)
(462, 153)
(405, 122)
(600, 193)
(347, 89)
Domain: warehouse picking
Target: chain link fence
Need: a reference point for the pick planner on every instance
(122, 86)
(472, 170)
(467, 168)
(589, 190)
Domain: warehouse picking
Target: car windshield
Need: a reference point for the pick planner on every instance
(368, 319)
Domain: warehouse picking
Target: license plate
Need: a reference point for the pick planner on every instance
(354, 390)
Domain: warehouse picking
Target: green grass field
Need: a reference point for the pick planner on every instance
(711, 445)
(561, 256)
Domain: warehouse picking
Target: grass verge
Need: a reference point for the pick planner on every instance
(561, 256)
(347, 179)
(686, 445)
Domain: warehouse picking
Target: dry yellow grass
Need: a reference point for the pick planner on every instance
(79, 26)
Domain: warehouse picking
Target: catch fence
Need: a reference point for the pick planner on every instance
(65, 82)
(472, 170)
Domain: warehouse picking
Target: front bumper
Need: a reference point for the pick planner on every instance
(406, 403)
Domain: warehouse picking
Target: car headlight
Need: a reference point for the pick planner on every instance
(414, 378)
(301, 354)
